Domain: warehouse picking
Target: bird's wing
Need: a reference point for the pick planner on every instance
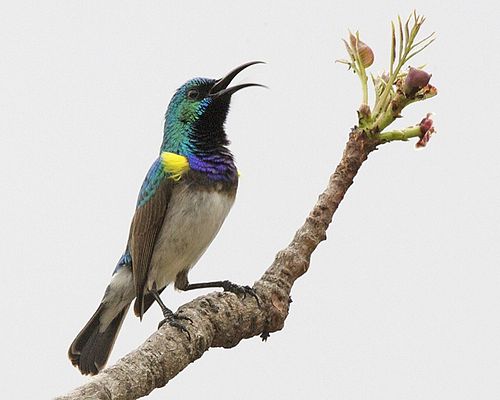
(152, 205)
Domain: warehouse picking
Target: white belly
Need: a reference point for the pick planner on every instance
(191, 223)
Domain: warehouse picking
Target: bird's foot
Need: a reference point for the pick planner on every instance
(174, 319)
(229, 286)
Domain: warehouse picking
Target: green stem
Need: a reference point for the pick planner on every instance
(381, 104)
(364, 86)
(404, 134)
(361, 72)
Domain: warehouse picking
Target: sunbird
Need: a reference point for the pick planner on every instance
(182, 203)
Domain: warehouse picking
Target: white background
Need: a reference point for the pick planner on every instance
(401, 302)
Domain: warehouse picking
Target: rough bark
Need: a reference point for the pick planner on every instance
(224, 319)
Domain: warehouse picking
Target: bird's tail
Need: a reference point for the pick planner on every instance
(90, 349)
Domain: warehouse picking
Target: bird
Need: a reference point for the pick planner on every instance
(183, 201)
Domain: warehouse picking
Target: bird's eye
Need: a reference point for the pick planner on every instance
(193, 94)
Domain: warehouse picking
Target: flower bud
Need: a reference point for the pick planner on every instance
(426, 130)
(364, 111)
(364, 51)
(415, 80)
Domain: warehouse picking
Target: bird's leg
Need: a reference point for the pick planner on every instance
(169, 316)
(182, 283)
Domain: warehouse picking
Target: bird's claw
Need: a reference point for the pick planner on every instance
(173, 320)
(229, 286)
(265, 335)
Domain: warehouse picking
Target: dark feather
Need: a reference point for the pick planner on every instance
(146, 225)
(90, 349)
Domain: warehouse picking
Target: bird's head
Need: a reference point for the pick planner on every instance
(197, 112)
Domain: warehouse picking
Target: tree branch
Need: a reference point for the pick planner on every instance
(224, 319)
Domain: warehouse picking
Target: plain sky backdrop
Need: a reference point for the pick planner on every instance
(401, 302)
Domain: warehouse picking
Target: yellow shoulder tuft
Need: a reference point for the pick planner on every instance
(174, 164)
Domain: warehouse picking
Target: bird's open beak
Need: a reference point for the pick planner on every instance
(221, 88)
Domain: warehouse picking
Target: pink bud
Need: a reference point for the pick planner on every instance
(426, 130)
(415, 80)
(426, 124)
